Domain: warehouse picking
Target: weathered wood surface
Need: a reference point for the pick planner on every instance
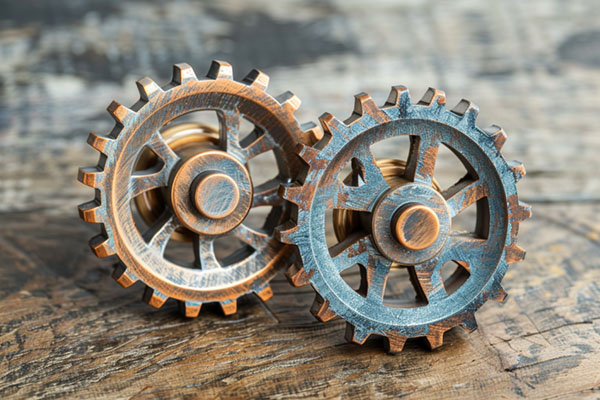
(66, 329)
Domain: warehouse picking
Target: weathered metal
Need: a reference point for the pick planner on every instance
(189, 184)
(393, 214)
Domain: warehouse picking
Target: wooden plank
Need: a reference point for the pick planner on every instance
(68, 329)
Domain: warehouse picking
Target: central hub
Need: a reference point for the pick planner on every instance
(215, 195)
(416, 226)
(211, 192)
(410, 223)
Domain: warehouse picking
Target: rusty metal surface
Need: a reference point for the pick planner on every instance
(481, 255)
(209, 191)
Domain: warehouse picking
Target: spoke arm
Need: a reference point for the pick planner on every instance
(468, 250)
(229, 121)
(257, 143)
(421, 160)
(142, 181)
(352, 250)
(464, 193)
(159, 234)
(427, 279)
(265, 194)
(250, 236)
(158, 145)
(204, 253)
(377, 271)
(368, 183)
(158, 176)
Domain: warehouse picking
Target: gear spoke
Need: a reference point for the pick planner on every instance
(352, 250)
(466, 248)
(427, 280)
(204, 253)
(158, 145)
(142, 181)
(362, 197)
(250, 236)
(464, 193)
(229, 132)
(152, 178)
(377, 271)
(421, 160)
(159, 234)
(372, 175)
(257, 143)
(265, 194)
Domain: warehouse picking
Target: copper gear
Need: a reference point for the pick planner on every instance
(200, 189)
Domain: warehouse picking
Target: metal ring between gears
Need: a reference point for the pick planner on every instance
(373, 235)
(164, 171)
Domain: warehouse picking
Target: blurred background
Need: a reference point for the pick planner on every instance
(532, 67)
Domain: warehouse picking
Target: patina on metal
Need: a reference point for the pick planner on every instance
(393, 214)
(191, 183)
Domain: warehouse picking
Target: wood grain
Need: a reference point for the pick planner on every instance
(69, 330)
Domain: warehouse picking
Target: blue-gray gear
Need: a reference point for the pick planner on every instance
(485, 253)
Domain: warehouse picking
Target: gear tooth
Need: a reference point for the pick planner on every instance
(191, 309)
(355, 334)
(363, 103)
(229, 307)
(286, 233)
(102, 246)
(101, 143)
(147, 88)
(257, 79)
(399, 96)
(313, 132)
(293, 194)
(297, 276)
(183, 73)
(91, 211)
(514, 254)
(124, 276)
(321, 310)
(497, 134)
(393, 342)
(435, 339)
(289, 100)
(469, 324)
(522, 213)
(220, 70)
(517, 169)
(119, 112)
(265, 293)
(433, 97)
(331, 123)
(90, 176)
(499, 295)
(154, 297)
(307, 153)
(466, 109)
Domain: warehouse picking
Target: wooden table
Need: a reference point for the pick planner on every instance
(67, 330)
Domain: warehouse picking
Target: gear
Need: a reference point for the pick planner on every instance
(392, 214)
(193, 185)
